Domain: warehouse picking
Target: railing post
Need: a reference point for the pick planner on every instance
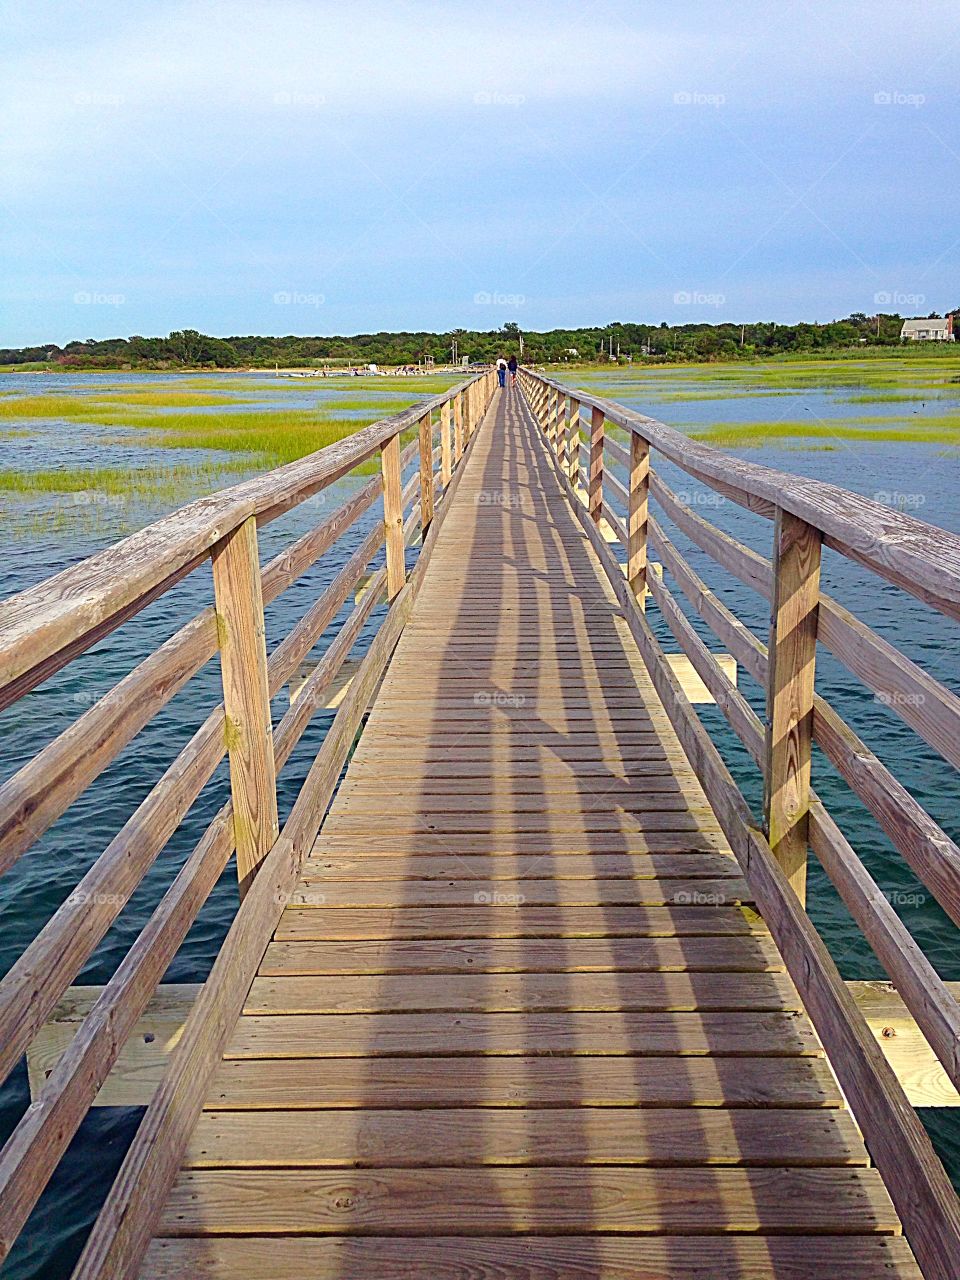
(457, 428)
(393, 515)
(563, 427)
(638, 491)
(595, 477)
(573, 443)
(426, 472)
(446, 445)
(248, 727)
(790, 686)
(553, 417)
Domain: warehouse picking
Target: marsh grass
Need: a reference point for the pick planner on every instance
(172, 399)
(126, 482)
(944, 429)
(896, 374)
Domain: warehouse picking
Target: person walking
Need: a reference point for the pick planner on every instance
(512, 366)
(501, 371)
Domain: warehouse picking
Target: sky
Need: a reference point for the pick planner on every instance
(305, 167)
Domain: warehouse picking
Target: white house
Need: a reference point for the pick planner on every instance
(927, 330)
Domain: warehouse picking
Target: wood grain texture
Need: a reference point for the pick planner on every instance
(451, 1138)
(637, 502)
(393, 515)
(425, 432)
(248, 729)
(790, 689)
(595, 474)
(518, 1201)
(533, 1258)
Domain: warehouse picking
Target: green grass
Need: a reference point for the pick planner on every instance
(151, 482)
(171, 399)
(940, 430)
(895, 373)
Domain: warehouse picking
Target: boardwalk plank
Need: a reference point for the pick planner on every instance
(531, 1258)
(573, 1136)
(519, 1006)
(523, 1081)
(517, 1201)
(532, 955)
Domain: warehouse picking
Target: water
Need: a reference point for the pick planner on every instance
(43, 533)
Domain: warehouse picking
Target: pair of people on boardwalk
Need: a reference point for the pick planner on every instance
(503, 366)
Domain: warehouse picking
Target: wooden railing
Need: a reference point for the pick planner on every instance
(46, 627)
(806, 515)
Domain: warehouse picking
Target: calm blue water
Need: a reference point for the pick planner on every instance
(42, 534)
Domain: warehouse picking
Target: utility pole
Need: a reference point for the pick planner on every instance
(742, 331)
(520, 336)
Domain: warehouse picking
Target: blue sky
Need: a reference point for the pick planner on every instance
(290, 167)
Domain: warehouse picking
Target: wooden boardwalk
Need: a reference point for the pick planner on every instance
(520, 1019)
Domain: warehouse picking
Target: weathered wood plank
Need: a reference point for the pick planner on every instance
(532, 955)
(468, 895)
(248, 727)
(572, 866)
(533, 1258)
(528, 921)
(790, 689)
(518, 1201)
(521, 992)
(579, 1033)
(569, 1136)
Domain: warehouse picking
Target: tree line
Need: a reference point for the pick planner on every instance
(187, 348)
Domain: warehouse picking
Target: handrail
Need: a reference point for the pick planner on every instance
(45, 627)
(917, 556)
